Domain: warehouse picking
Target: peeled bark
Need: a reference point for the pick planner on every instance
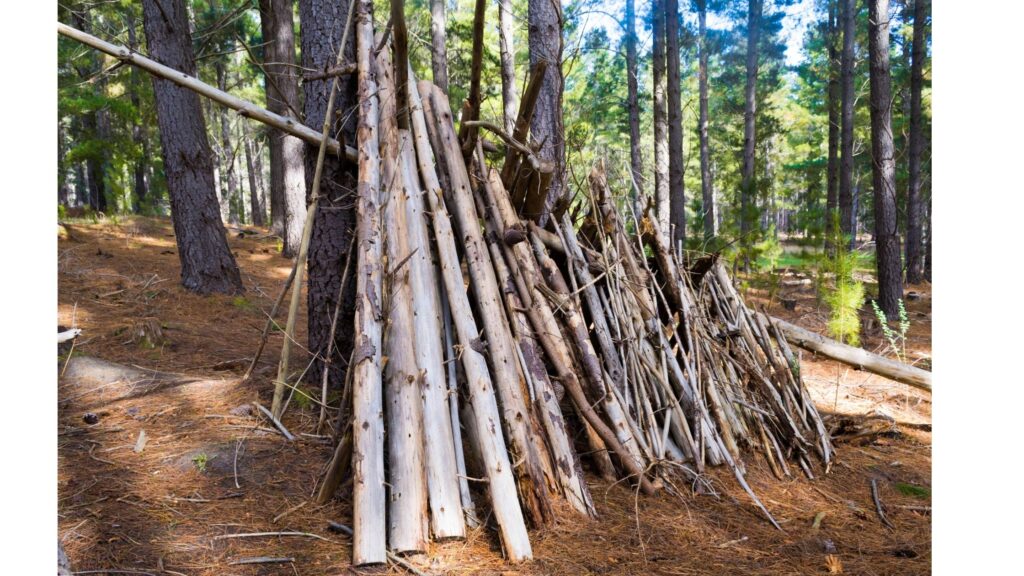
(545, 39)
(368, 498)
(509, 100)
(707, 191)
(661, 196)
(677, 191)
(848, 15)
(915, 237)
(287, 172)
(748, 187)
(887, 239)
(207, 264)
(636, 161)
(438, 50)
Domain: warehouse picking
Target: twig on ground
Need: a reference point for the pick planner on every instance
(878, 504)
(275, 421)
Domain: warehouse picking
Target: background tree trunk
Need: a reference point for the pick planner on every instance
(287, 169)
(255, 204)
(915, 258)
(636, 161)
(661, 197)
(438, 50)
(748, 186)
(322, 22)
(141, 183)
(230, 199)
(91, 121)
(848, 15)
(832, 178)
(509, 94)
(545, 20)
(706, 189)
(677, 191)
(207, 264)
(887, 239)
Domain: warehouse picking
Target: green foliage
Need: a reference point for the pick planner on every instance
(845, 295)
(896, 339)
(241, 302)
(913, 490)
(199, 461)
(768, 251)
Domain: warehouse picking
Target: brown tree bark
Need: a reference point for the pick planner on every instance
(141, 183)
(848, 16)
(677, 190)
(509, 99)
(545, 39)
(661, 197)
(322, 22)
(636, 160)
(748, 185)
(207, 264)
(255, 202)
(230, 199)
(832, 169)
(915, 257)
(707, 191)
(887, 240)
(287, 169)
(438, 49)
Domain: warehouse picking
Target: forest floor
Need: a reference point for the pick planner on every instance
(209, 467)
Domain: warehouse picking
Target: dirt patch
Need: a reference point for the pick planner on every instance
(143, 510)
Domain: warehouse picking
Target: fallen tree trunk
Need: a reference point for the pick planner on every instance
(856, 357)
(244, 107)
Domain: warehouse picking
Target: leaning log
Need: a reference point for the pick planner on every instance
(856, 357)
(368, 544)
(244, 107)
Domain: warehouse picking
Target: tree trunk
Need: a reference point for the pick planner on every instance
(438, 50)
(887, 239)
(545, 31)
(509, 98)
(832, 178)
(677, 191)
(139, 130)
(287, 170)
(255, 203)
(322, 24)
(207, 264)
(748, 186)
(848, 15)
(661, 197)
(230, 199)
(636, 160)
(915, 258)
(706, 189)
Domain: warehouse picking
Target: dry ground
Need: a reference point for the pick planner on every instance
(210, 468)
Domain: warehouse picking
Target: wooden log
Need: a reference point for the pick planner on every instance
(243, 107)
(522, 128)
(446, 513)
(368, 498)
(407, 488)
(509, 516)
(856, 357)
(526, 446)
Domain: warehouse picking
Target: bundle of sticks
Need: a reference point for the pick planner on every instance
(487, 344)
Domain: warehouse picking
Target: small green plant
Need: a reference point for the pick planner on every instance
(200, 460)
(62, 212)
(897, 339)
(241, 302)
(845, 295)
(768, 251)
(912, 490)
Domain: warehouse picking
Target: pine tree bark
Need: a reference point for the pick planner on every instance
(229, 203)
(141, 183)
(636, 160)
(322, 23)
(661, 196)
(887, 240)
(92, 121)
(707, 191)
(509, 99)
(677, 191)
(255, 203)
(287, 168)
(832, 169)
(915, 258)
(438, 49)
(848, 15)
(207, 264)
(748, 186)
(545, 40)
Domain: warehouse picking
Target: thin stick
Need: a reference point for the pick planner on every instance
(878, 504)
(330, 340)
(261, 560)
(270, 323)
(275, 421)
(268, 535)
